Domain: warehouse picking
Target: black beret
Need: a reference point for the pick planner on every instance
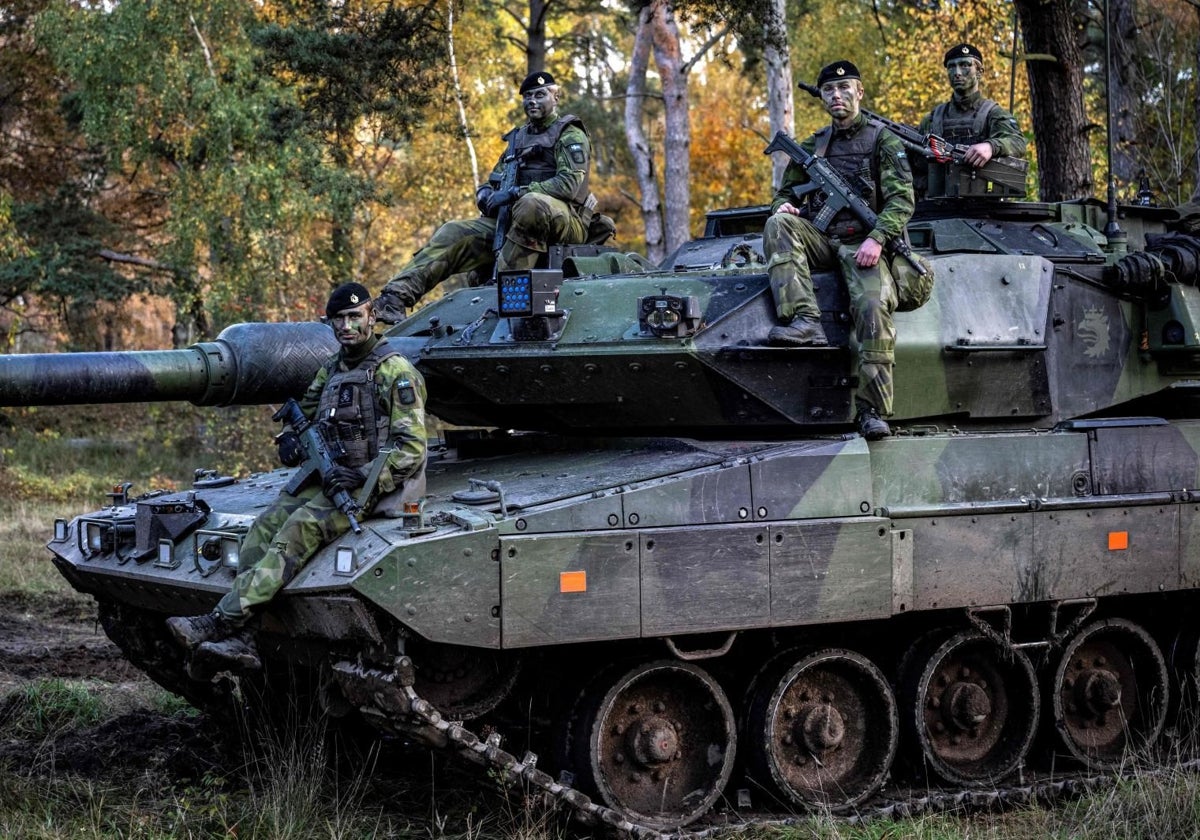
(536, 80)
(962, 51)
(836, 71)
(347, 296)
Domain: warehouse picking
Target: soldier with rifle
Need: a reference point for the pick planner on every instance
(367, 405)
(536, 196)
(873, 161)
(985, 133)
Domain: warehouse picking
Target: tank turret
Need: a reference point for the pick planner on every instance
(1031, 323)
(670, 568)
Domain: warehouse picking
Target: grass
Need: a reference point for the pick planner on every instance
(59, 463)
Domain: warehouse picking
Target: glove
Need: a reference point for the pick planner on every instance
(291, 453)
(501, 198)
(389, 308)
(342, 478)
(482, 196)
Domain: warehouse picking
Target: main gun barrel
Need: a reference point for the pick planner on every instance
(246, 364)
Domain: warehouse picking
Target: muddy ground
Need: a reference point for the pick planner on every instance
(50, 638)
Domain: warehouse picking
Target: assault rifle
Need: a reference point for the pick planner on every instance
(838, 194)
(1006, 172)
(512, 168)
(318, 458)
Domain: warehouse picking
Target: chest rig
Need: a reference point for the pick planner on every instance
(537, 154)
(854, 159)
(350, 413)
(962, 127)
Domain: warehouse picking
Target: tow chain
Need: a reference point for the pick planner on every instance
(488, 752)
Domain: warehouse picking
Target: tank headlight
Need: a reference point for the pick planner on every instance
(60, 530)
(95, 536)
(669, 316)
(1173, 333)
(165, 558)
(215, 550)
(344, 561)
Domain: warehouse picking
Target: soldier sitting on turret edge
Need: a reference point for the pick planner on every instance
(968, 119)
(548, 203)
(864, 153)
(371, 400)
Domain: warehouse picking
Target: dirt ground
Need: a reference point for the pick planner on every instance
(52, 638)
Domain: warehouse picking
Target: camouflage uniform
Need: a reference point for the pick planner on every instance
(966, 120)
(554, 207)
(289, 532)
(793, 247)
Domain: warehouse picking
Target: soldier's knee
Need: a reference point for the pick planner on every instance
(532, 211)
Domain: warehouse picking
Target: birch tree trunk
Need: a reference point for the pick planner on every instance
(677, 140)
(780, 102)
(463, 125)
(635, 137)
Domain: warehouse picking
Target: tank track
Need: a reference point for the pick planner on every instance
(395, 692)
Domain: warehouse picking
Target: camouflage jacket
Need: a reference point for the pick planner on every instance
(1001, 130)
(572, 154)
(406, 446)
(889, 169)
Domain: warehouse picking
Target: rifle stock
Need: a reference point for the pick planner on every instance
(1006, 172)
(318, 459)
(839, 195)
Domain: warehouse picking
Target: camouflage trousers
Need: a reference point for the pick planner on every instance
(465, 246)
(793, 248)
(282, 539)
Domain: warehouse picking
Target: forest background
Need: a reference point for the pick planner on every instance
(168, 167)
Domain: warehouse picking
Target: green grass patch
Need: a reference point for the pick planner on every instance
(45, 708)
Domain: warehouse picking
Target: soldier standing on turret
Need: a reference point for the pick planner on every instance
(968, 119)
(371, 401)
(550, 204)
(872, 158)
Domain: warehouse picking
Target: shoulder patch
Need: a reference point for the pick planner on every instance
(578, 156)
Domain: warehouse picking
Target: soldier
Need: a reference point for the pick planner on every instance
(550, 204)
(871, 157)
(968, 119)
(371, 400)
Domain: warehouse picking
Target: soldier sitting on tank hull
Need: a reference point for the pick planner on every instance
(371, 401)
(865, 154)
(537, 196)
(967, 119)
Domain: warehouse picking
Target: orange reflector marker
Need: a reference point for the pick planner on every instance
(412, 507)
(572, 582)
(1118, 540)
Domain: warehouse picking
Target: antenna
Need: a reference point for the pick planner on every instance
(1116, 237)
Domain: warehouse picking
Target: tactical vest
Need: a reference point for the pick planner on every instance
(350, 412)
(963, 128)
(854, 159)
(960, 127)
(537, 152)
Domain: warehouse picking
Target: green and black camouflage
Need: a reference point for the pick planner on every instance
(657, 550)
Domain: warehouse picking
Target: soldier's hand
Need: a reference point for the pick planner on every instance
(342, 478)
(501, 198)
(291, 453)
(868, 253)
(389, 308)
(482, 196)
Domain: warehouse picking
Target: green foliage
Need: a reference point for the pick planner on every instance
(46, 707)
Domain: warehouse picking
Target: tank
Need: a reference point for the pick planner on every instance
(658, 565)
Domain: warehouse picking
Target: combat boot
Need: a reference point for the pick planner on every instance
(871, 425)
(801, 331)
(238, 653)
(194, 630)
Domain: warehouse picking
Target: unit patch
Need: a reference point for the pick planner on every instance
(578, 156)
